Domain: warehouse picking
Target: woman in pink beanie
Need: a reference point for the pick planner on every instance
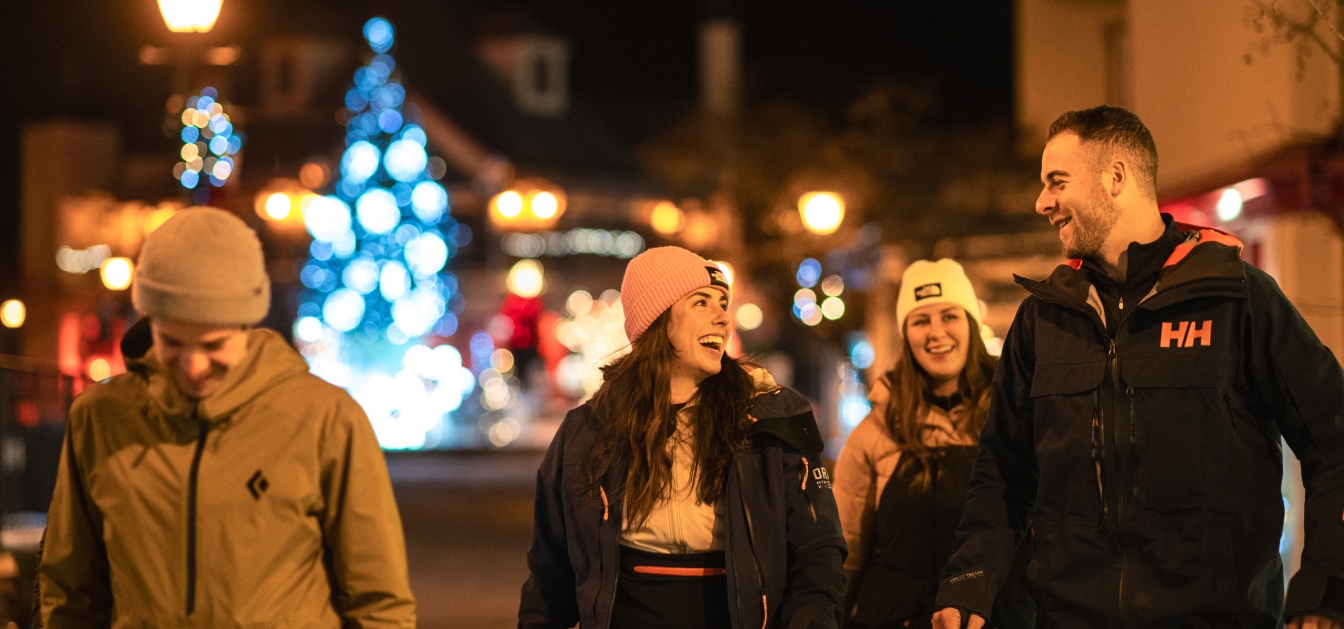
(901, 478)
(686, 492)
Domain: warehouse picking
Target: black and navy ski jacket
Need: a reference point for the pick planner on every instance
(1149, 462)
(783, 547)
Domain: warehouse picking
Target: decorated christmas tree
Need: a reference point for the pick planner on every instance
(378, 302)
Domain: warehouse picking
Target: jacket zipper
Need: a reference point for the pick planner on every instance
(803, 488)
(751, 538)
(616, 578)
(1097, 457)
(203, 429)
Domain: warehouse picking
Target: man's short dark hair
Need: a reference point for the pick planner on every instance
(1116, 129)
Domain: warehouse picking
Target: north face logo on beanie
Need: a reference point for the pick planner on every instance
(928, 290)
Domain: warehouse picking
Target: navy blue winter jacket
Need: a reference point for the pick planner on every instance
(783, 547)
(1148, 463)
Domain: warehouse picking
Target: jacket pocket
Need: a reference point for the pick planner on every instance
(1066, 378)
(1179, 428)
(1063, 416)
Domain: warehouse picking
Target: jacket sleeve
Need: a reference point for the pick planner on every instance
(857, 481)
(1299, 382)
(362, 526)
(549, 600)
(72, 578)
(816, 546)
(1003, 483)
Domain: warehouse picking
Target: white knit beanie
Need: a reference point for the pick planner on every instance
(658, 278)
(941, 282)
(203, 265)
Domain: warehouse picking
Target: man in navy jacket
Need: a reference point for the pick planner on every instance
(1136, 419)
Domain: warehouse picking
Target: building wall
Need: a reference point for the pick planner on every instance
(1062, 61)
(1213, 96)
(60, 158)
(1214, 91)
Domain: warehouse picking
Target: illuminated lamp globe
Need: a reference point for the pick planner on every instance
(190, 16)
(526, 279)
(545, 205)
(13, 313)
(116, 273)
(277, 206)
(822, 212)
(508, 204)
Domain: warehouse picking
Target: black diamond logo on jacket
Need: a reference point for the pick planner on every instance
(257, 484)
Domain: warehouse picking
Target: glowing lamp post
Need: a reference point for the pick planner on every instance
(190, 16)
(822, 212)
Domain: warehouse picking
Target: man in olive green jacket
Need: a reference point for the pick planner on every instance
(217, 483)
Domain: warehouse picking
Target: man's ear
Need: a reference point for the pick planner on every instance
(1119, 172)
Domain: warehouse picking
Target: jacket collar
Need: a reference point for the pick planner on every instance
(269, 361)
(1204, 255)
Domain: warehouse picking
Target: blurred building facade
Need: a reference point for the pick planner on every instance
(497, 115)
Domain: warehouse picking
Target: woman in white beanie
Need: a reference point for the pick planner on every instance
(685, 493)
(901, 477)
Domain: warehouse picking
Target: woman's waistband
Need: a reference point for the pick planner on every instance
(637, 561)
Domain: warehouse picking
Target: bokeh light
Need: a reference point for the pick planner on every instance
(13, 313)
(809, 271)
(666, 218)
(545, 205)
(822, 212)
(278, 206)
(116, 273)
(749, 316)
(526, 278)
(99, 369)
(832, 308)
(833, 286)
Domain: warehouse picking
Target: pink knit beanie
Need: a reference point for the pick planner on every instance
(657, 278)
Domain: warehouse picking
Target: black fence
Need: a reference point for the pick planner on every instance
(34, 401)
(33, 407)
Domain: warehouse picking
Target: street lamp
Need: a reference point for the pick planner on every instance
(116, 273)
(190, 16)
(12, 313)
(822, 212)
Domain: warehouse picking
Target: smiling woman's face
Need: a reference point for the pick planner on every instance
(939, 337)
(698, 330)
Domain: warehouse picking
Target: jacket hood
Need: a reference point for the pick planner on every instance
(269, 361)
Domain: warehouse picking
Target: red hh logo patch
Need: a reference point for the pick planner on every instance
(1186, 333)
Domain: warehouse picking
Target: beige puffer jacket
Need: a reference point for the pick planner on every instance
(868, 459)
(267, 504)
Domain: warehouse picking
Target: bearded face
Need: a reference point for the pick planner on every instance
(1074, 198)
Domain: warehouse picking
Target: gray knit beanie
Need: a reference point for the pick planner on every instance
(203, 265)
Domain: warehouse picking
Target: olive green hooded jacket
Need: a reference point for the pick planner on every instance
(266, 504)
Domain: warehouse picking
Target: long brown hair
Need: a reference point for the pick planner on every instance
(633, 414)
(911, 388)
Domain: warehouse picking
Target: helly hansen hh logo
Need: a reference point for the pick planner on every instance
(1186, 333)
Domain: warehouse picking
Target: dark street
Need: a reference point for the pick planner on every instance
(468, 519)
